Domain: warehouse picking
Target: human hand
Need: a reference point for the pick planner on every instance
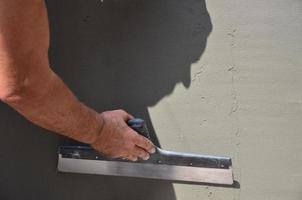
(117, 140)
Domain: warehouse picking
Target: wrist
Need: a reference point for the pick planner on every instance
(91, 125)
(97, 130)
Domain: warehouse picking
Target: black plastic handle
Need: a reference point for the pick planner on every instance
(139, 125)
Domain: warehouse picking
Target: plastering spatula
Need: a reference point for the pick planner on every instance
(166, 165)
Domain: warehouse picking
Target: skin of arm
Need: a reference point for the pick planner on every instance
(28, 84)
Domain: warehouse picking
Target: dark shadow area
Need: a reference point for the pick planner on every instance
(125, 54)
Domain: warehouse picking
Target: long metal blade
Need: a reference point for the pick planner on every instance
(146, 170)
(166, 165)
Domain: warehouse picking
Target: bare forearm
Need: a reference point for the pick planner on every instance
(28, 84)
(26, 81)
(53, 106)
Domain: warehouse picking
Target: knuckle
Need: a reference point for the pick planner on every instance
(147, 143)
(139, 138)
(143, 154)
(150, 146)
(132, 158)
(121, 111)
(105, 115)
(140, 153)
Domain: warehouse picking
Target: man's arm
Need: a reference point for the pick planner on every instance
(28, 84)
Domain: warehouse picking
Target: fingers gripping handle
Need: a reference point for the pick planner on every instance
(139, 125)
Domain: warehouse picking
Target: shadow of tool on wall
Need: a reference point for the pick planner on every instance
(117, 54)
(126, 54)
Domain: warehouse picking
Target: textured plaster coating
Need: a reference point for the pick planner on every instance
(213, 77)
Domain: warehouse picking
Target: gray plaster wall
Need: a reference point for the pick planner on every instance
(215, 77)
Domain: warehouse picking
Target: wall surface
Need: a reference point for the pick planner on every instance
(214, 77)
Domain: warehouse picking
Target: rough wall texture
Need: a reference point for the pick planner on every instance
(245, 100)
(215, 77)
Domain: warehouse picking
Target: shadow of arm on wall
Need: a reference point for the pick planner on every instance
(127, 54)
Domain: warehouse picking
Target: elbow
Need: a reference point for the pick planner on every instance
(10, 95)
(13, 93)
(19, 91)
(19, 85)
